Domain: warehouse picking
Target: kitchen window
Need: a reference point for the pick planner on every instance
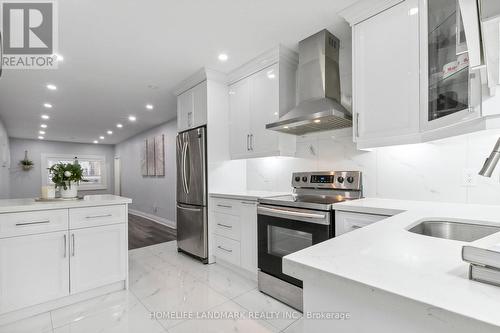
(94, 169)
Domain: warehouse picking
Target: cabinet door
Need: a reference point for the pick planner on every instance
(98, 256)
(264, 109)
(33, 269)
(452, 89)
(185, 110)
(200, 105)
(386, 73)
(239, 118)
(248, 225)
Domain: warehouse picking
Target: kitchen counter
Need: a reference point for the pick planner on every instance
(23, 205)
(247, 195)
(386, 257)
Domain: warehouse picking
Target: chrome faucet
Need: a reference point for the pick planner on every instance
(491, 162)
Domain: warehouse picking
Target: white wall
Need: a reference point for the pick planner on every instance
(26, 184)
(154, 196)
(4, 162)
(428, 171)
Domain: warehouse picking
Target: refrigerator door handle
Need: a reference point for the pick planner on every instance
(189, 209)
(185, 166)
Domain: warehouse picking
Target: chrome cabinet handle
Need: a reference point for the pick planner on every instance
(251, 142)
(225, 206)
(98, 216)
(34, 222)
(357, 125)
(247, 203)
(248, 142)
(225, 225)
(65, 246)
(224, 249)
(356, 227)
(73, 241)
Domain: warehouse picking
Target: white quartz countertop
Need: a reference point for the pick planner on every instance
(384, 255)
(23, 205)
(247, 195)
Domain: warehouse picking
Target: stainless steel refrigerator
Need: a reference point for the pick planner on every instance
(192, 233)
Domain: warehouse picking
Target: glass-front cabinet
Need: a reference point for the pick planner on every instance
(452, 92)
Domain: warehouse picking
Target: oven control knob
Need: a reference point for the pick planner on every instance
(297, 179)
(350, 180)
(340, 179)
(304, 179)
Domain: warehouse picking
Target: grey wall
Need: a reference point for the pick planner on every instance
(151, 195)
(4, 162)
(26, 184)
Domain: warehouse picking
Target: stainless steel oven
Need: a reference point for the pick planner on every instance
(290, 223)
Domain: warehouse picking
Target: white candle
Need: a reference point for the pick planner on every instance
(48, 192)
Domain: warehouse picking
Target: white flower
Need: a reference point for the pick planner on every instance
(67, 174)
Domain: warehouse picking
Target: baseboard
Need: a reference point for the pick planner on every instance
(154, 218)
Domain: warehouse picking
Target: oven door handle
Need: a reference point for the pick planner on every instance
(302, 216)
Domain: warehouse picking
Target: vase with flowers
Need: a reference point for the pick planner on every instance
(67, 177)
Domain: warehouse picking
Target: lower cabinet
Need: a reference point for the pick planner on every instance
(235, 232)
(348, 221)
(98, 256)
(33, 269)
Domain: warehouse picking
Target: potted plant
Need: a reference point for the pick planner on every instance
(67, 177)
(26, 163)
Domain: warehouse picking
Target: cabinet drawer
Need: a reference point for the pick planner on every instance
(347, 221)
(30, 223)
(227, 250)
(227, 225)
(226, 206)
(96, 216)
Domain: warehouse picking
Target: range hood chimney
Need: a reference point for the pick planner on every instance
(319, 107)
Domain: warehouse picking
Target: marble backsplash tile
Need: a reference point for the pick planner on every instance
(429, 171)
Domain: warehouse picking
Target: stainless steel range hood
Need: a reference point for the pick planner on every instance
(319, 107)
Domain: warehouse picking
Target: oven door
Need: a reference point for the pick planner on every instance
(284, 230)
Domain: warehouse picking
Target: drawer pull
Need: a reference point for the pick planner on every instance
(248, 203)
(30, 223)
(225, 206)
(356, 226)
(65, 246)
(224, 249)
(98, 216)
(225, 225)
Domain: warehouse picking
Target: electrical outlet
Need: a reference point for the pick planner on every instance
(469, 177)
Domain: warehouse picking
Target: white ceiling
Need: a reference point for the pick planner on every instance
(120, 55)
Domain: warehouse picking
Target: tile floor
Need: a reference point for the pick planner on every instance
(163, 281)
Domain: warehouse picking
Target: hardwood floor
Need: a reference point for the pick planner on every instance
(143, 232)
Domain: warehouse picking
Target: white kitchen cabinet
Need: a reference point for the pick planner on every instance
(348, 221)
(235, 232)
(259, 95)
(33, 269)
(192, 107)
(98, 256)
(386, 75)
(249, 235)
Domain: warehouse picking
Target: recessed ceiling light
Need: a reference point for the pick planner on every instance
(43, 126)
(109, 132)
(317, 121)
(41, 137)
(41, 132)
(101, 137)
(149, 106)
(223, 57)
(270, 74)
(132, 118)
(45, 116)
(95, 141)
(47, 105)
(285, 127)
(51, 86)
(119, 125)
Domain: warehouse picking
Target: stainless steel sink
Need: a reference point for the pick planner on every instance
(465, 232)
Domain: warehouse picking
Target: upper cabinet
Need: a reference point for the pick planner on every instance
(259, 92)
(416, 70)
(386, 75)
(192, 107)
